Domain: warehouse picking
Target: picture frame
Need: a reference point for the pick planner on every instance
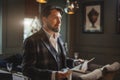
(93, 17)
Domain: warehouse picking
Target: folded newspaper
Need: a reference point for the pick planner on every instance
(82, 67)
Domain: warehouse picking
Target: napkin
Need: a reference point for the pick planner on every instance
(113, 67)
(94, 75)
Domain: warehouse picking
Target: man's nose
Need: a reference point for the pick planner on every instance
(59, 21)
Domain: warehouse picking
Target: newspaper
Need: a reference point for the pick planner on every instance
(82, 68)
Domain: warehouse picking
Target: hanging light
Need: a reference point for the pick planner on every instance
(42, 1)
(71, 7)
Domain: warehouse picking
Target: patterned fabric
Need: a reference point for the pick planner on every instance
(39, 59)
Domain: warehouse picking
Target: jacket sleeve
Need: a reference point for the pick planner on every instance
(29, 62)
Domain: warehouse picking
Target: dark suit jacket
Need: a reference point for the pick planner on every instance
(39, 59)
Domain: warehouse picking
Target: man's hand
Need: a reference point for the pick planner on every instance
(63, 74)
(79, 60)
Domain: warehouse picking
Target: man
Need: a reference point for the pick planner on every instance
(44, 54)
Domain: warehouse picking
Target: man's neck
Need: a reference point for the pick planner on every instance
(51, 33)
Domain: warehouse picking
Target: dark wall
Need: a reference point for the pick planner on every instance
(0, 26)
(12, 26)
(106, 46)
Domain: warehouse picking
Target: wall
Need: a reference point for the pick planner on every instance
(31, 8)
(106, 46)
(0, 26)
(12, 32)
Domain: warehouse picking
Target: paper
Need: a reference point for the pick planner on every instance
(83, 66)
(18, 77)
(77, 69)
(3, 71)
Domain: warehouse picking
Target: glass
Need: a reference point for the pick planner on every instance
(9, 66)
(76, 54)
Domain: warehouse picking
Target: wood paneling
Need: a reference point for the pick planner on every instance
(106, 46)
(12, 26)
(31, 8)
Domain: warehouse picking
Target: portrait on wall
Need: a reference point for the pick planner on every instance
(93, 17)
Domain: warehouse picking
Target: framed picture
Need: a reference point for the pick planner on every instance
(93, 17)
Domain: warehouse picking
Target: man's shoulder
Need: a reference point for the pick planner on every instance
(37, 36)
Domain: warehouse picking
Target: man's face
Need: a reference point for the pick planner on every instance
(53, 21)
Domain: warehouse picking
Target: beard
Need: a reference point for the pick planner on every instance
(54, 29)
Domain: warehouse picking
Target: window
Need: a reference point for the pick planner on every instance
(31, 26)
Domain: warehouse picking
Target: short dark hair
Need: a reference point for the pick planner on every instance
(47, 10)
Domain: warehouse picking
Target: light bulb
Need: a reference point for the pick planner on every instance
(42, 1)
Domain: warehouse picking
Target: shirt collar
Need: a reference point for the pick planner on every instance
(51, 34)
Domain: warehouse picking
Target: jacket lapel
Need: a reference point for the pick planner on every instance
(50, 48)
(47, 44)
(60, 42)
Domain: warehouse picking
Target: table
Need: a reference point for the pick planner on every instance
(107, 76)
(5, 75)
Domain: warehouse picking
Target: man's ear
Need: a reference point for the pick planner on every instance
(44, 21)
